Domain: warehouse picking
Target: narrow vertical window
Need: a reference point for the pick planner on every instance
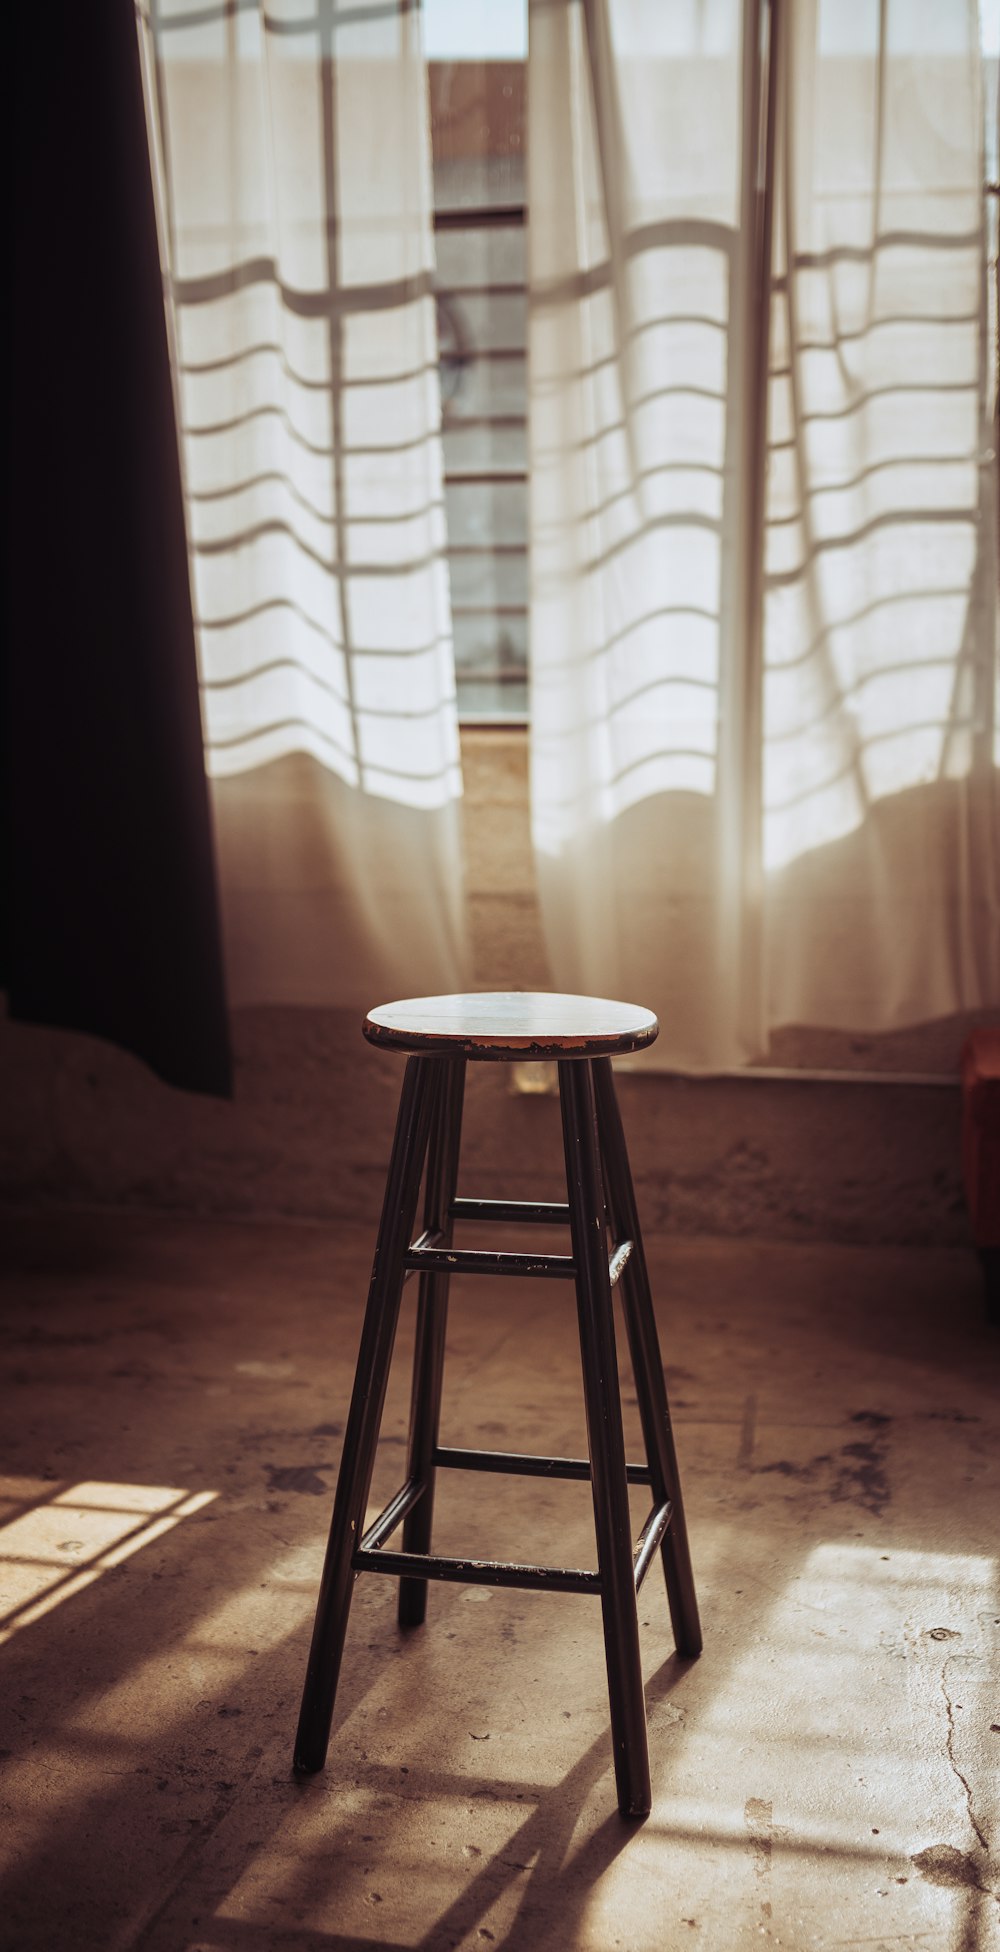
(477, 60)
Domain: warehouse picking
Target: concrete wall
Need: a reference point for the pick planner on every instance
(309, 1129)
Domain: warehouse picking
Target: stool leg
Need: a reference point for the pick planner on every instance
(647, 1364)
(432, 1318)
(361, 1435)
(612, 1519)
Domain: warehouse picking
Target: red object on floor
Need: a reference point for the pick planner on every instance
(981, 1134)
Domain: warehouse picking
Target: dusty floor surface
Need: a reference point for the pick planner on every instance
(825, 1776)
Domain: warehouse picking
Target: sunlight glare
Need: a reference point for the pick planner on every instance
(56, 1548)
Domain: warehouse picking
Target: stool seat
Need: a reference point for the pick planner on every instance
(512, 1024)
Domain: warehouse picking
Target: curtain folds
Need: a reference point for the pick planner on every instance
(879, 815)
(745, 828)
(292, 153)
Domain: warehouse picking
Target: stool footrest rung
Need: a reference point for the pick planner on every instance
(393, 1515)
(650, 1539)
(618, 1260)
(372, 1557)
(459, 1260)
(546, 1213)
(523, 1465)
(427, 1254)
(476, 1572)
(431, 1237)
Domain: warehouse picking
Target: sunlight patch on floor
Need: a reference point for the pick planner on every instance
(63, 1542)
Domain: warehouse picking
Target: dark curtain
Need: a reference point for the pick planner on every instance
(109, 918)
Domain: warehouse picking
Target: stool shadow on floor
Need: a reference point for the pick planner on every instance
(559, 1887)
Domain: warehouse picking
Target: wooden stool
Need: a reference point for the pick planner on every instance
(581, 1034)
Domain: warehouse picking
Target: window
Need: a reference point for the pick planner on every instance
(476, 52)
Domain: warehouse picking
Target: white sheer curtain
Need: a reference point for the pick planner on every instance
(879, 817)
(293, 154)
(749, 829)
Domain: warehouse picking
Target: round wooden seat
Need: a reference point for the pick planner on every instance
(512, 1025)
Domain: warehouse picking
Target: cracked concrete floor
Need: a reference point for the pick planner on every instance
(825, 1776)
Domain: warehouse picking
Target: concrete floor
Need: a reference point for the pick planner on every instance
(825, 1776)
